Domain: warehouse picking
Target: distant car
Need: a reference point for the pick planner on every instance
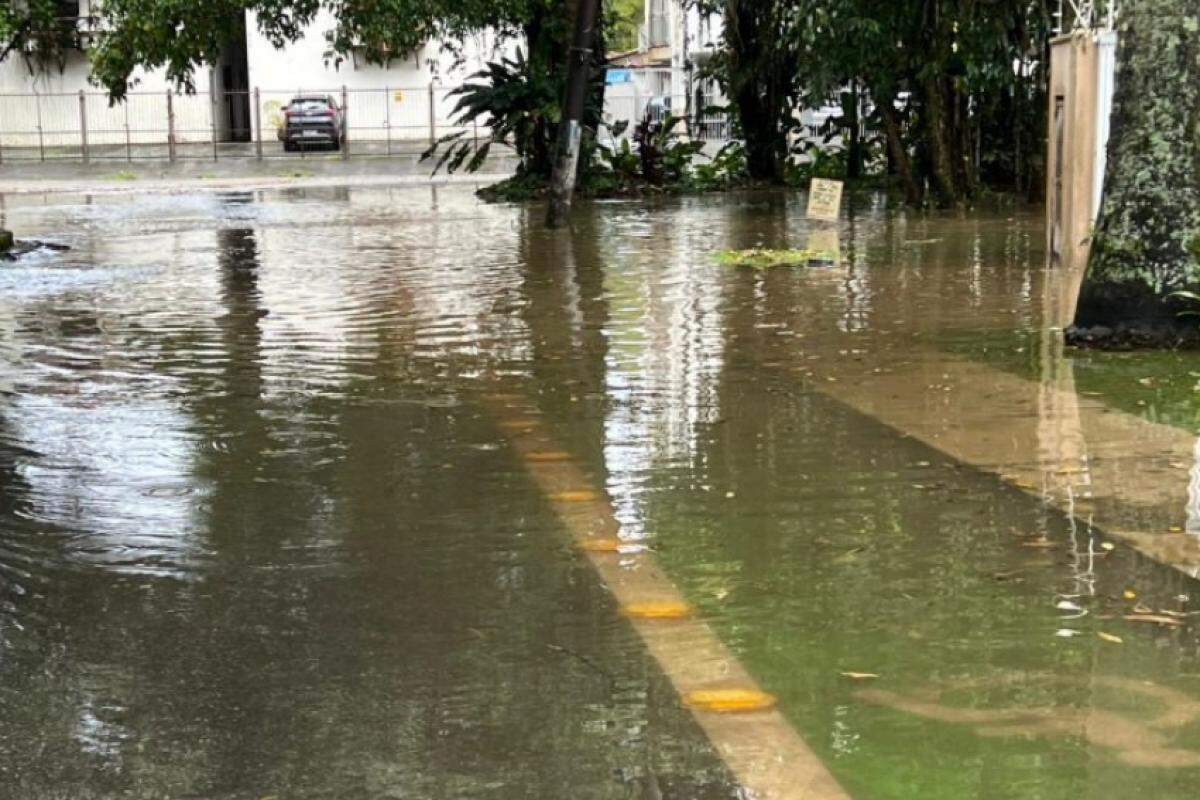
(312, 119)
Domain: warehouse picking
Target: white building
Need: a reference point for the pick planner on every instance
(662, 74)
(245, 89)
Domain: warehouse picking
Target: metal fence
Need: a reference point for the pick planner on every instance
(171, 126)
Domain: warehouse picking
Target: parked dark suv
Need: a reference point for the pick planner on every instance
(312, 119)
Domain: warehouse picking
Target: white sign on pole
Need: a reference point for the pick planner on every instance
(824, 199)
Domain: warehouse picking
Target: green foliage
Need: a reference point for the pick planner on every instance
(933, 76)
(518, 103)
(519, 188)
(658, 158)
(664, 156)
(1149, 223)
(623, 18)
(726, 169)
(620, 162)
(38, 30)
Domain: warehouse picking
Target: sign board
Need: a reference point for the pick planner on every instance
(614, 76)
(398, 96)
(824, 199)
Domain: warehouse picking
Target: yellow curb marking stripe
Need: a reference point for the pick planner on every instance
(760, 747)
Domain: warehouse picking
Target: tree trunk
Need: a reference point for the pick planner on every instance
(1147, 240)
(763, 159)
(897, 153)
(939, 140)
(760, 74)
(854, 152)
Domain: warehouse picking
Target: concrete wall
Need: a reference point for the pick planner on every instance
(42, 110)
(1082, 79)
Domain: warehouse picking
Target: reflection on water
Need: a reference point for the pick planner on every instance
(262, 533)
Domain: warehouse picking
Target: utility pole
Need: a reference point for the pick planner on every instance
(566, 157)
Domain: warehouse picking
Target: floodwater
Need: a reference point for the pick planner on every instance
(293, 486)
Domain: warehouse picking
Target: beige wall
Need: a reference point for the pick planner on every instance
(1080, 97)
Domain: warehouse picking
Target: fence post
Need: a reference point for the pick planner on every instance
(37, 100)
(345, 125)
(387, 117)
(258, 123)
(432, 116)
(83, 139)
(128, 137)
(212, 112)
(170, 127)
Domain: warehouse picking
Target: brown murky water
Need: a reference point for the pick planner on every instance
(291, 487)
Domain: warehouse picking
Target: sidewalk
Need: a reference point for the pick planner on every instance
(189, 176)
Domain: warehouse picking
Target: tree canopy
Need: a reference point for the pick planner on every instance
(942, 77)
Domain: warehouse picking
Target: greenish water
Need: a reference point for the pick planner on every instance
(1158, 386)
(856, 570)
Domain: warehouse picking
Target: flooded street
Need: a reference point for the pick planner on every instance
(388, 493)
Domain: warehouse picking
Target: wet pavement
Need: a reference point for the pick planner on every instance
(309, 493)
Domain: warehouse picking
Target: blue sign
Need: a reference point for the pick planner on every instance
(614, 76)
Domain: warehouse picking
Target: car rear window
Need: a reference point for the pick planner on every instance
(309, 104)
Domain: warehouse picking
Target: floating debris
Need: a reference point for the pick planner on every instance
(860, 676)
(1108, 637)
(1157, 619)
(760, 258)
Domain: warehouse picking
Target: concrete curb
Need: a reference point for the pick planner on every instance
(186, 186)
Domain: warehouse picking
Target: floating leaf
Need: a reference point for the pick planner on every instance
(598, 545)
(1108, 637)
(1129, 594)
(1175, 529)
(860, 676)
(668, 609)
(729, 700)
(1158, 619)
(1107, 546)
